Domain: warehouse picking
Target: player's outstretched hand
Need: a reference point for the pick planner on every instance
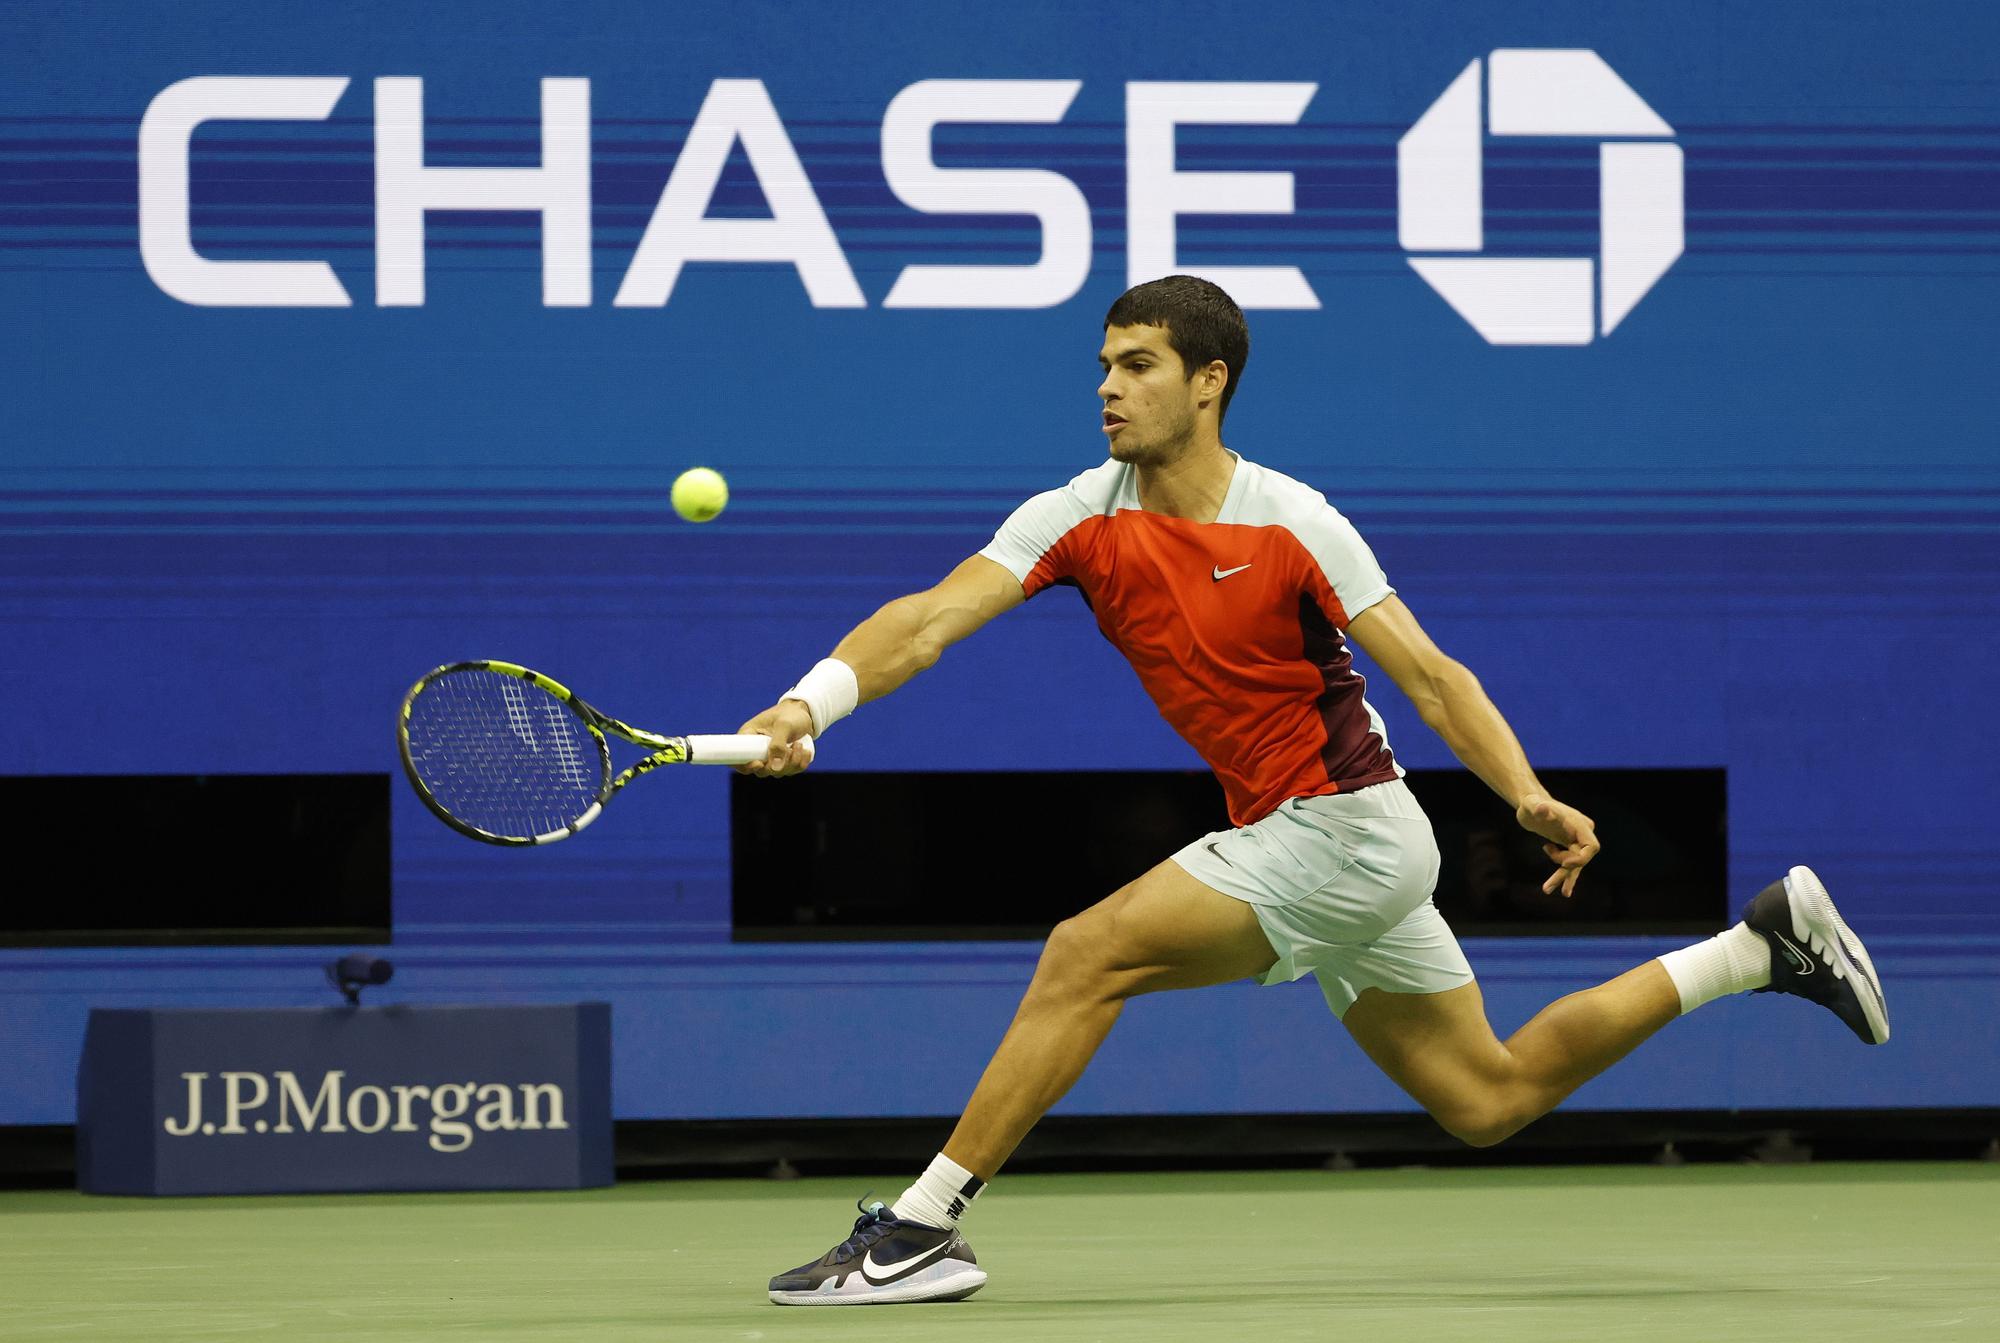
(788, 724)
(1571, 838)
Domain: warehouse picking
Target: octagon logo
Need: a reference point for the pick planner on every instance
(1440, 202)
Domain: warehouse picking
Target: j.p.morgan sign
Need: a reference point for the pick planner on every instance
(185, 1102)
(445, 1110)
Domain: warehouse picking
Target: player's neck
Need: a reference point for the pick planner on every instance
(1192, 485)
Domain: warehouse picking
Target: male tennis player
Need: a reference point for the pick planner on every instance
(1234, 591)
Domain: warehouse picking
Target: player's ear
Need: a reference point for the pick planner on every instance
(1212, 379)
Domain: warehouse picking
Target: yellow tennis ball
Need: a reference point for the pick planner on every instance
(700, 494)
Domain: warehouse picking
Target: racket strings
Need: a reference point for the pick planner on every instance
(502, 755)
(569, 755)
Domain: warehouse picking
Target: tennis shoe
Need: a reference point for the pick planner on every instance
(1816, 956)
(886, 1261)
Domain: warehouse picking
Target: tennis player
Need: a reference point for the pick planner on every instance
(1235, 592)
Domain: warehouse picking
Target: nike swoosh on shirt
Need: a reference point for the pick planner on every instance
(902, 1268)
(1222, 573)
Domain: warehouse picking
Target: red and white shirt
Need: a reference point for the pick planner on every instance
(1234, 626)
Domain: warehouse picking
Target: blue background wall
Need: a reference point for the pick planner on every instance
(1753, 528)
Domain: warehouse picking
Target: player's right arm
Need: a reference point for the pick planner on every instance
(891, 646)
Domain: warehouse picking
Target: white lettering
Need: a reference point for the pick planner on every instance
(233, 1102)
(449, 1133)
(680, 230)
(404, 1095)
(377, 1098)
(369, 1109)
(1157, 193)
(166, 233)
(1049, 196)
(532, 1094)
(328, 1098)
(193, 1121)
(496, 1110)
(405, 189)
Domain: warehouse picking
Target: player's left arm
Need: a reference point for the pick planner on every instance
(1455, 706)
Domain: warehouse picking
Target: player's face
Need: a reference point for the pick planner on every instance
(1149, 403)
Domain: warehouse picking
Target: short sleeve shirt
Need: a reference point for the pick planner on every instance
(1234, 626)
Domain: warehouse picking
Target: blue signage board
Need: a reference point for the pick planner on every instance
(345, 1099)
(1642, 343)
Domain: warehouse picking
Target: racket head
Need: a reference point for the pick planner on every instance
(503, 754)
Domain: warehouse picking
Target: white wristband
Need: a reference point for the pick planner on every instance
(830, 692)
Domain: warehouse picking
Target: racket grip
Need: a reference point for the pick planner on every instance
(735, 749)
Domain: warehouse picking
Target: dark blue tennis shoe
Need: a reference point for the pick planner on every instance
(1815, 955)
(885, 1262)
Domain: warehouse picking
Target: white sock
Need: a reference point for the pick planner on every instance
(1731, 962)
(941, 1194)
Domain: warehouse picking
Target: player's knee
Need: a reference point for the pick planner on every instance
(1072, 961)
(1482, 1135)
(1486, 1122)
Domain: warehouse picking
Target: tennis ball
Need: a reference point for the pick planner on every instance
(700, 494)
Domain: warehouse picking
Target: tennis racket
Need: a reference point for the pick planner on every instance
(506, 755)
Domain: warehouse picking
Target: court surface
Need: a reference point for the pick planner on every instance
(1708, 1252)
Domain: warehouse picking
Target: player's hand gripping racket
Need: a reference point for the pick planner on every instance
(506, 755)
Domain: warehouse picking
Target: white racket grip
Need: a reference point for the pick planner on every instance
(735, 749)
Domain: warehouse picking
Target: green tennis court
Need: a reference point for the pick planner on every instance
(1881, 1251)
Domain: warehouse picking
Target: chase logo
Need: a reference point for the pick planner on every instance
(1440, 204)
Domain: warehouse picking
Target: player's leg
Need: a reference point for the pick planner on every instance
(1439, 1047)
(1164, 931)
(1261, 900)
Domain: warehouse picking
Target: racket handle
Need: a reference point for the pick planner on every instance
(733, 749)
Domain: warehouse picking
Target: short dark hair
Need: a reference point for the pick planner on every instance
(1202, 323)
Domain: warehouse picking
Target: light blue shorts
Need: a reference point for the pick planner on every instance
(1342, 886)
